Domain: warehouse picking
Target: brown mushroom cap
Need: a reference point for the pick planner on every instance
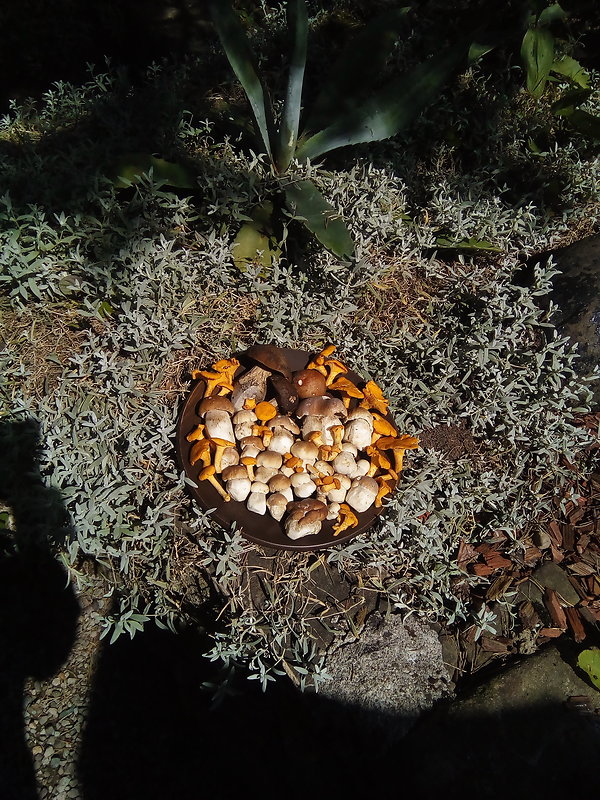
(285, 393)
(271, 357)
(284, 422)
(322, 406)
(309, 383)
(215, 404)
(299, 508)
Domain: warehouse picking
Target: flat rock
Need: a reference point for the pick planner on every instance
(390, 675)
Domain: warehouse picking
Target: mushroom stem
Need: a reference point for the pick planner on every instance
(208, 474)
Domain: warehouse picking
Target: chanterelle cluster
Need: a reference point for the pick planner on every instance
(304, 447)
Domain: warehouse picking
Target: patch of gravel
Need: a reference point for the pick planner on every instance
(55, 710)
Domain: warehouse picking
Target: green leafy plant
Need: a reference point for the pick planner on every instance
(350, 109)
(589, 661)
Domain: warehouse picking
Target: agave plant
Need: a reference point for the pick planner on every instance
(350, 109)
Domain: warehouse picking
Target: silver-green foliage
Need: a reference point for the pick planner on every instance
(155, 274)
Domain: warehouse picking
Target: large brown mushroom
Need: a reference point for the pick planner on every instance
(304, 518)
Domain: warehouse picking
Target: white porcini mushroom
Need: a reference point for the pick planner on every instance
(348, 447)
(242, 423)
(251, 446)
(320, 414)
(320, 469)
(257, 499)
(362, 467)
(302, 484)
(285, 431)
(344, 463)
(217, 413)
(230, 458)
(339, 495)
(362, 494)
(277, 504)
(237, 482)
(287, 471)
(270, 460)
(358, 431)
(333, 509)
(304, 518)
(280, 484)
(264, 474)
(307, 452)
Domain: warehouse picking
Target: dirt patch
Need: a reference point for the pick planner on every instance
(41, 340)
(452, 440)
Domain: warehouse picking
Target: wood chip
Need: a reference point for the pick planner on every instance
(528, 615)
(551, 633)
(557, 555)
(568, 535)
(499, 587)
(482, 569)
(575, 624)
(555, 609)
(491, 645)
(581, 568)
(555, 533)
(466, 555)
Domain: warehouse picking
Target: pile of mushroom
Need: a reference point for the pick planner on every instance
(303, 447)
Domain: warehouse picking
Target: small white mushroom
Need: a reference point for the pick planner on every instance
(277, 504)
(257, 499)
(302, 484)
(230, 458)
(348, 447)
(344, 463)
(284, 432)
(362, 494)
(320, 469)
(358, 432)
(280, 484)
(237, 482)
(264, 474)
(362, 467)
(339, 495)
(251, 446)
(242, 423)
(333, 509)
(304, 518)
(269, 459)
(307, 452)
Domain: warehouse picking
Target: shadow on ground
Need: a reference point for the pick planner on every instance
(38, 609)
(152, 733)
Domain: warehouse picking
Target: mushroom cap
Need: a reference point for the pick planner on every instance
(306, 451)
(229, 458)
(215, 404)
(284, 422)
(277, 503)
(271, 357)
(252, 441)
(252, 384)
(299, 508)
(279, 483)
(235, 473)
(346, 387)
(361, 413)
(362, 493)
(302, 484)
(244, 416)
(265, 411)
(258, 487)
(344, 463)
(309, 383)
(322, 406)
(264, 474)
(285, 393)
(397, 443)
(269, 459)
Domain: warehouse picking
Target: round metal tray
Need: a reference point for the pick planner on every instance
(261, 529)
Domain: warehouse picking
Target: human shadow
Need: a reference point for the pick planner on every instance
(38, 608)
(153, 733)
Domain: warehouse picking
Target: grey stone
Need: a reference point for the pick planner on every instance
(393, 672)
(551, 576)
